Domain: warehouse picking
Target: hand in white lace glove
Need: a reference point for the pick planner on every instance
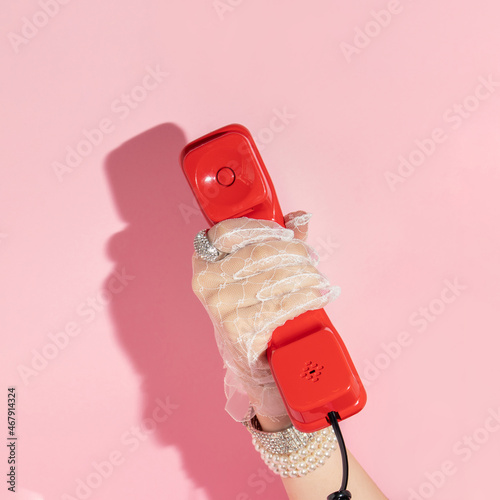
(268, 277)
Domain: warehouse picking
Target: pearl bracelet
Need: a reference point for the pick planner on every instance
(291, 453)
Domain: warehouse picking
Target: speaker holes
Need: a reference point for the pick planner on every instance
(311, 371)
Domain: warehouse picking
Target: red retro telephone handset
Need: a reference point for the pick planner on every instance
(310, 364)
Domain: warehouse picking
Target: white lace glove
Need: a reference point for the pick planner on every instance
(267, 278)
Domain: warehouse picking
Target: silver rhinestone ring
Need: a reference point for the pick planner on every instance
(205, 249)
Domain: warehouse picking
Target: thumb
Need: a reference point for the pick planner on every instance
(298, 222)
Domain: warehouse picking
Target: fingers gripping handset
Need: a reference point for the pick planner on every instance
(309, 362)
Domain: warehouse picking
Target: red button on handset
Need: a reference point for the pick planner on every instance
(225, 176)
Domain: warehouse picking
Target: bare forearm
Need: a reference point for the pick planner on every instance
(317, 485)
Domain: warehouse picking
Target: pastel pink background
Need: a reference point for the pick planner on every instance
(126, 206)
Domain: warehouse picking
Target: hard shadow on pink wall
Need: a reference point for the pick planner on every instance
(160, 324)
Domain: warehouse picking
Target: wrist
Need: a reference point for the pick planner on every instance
(273, 424)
